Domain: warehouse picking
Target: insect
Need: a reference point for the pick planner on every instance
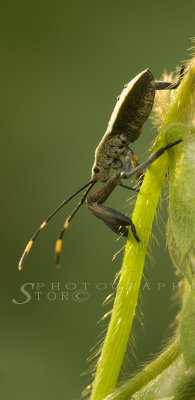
(131, 111)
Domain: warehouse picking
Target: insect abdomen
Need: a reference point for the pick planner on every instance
(131, 111)
(133, 107)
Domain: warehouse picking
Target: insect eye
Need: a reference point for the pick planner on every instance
(96, 170)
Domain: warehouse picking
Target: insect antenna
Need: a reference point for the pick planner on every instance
(44, 223)
(58, 246)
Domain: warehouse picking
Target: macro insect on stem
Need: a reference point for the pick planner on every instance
(132, 109)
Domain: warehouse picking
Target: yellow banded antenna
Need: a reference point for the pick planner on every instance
(44, 223)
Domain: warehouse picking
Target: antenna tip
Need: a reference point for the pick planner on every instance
(20, 267)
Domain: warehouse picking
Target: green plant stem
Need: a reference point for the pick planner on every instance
(149, 373)
(128, 287)
(118, 332)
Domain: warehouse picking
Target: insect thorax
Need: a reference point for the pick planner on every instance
(108, 154)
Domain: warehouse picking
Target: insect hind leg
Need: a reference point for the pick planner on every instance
(162, 85)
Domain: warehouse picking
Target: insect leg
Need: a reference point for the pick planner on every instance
(132, 159)
(126, 167)
(58, 246)
(128, 187)
(119, 166)
(113, 219)
(144, 165)
(161, 85)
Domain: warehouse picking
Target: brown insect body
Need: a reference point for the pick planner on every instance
(131, 111)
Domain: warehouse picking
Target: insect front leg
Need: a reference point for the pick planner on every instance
(119, 166)
(113, 219)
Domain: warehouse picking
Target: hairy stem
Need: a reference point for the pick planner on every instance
(118, 332)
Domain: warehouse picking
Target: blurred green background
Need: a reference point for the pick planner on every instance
(62, 65)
